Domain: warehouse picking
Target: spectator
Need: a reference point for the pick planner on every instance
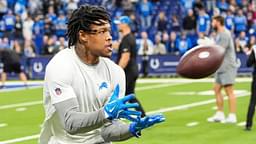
(145, 49)
(34, 6)
(198, 4)
(72, 5)
(49, 47)
(51, 14)
(250, 45)
(60, 45)
(210, 5)
(3, 8)
(28, 28)
(222, 5)
(2, 28)
(165, 39)
(203, 22)
(188, 4)
(38, 31)
(183, 43)
(145, 9)
(60, 24)
(20, 9)
(18, 28)
(189, 22)
(159, 47)
(241, 42)
(249, 16)
(29, 49)
(145, 45)
(134, 24)
(161, 22)
(240, 22)
(5, 44)
(175, 24)
(229, 21)
(172, 46)
(9, 21)
(49, 27)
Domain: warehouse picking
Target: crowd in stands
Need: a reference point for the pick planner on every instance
(38, 27)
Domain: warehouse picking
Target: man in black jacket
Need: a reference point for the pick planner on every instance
(251, 109)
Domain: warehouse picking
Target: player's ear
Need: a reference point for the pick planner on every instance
(83, 36)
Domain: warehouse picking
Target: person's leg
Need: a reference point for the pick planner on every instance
(219, 115)
(3, 79)
(23, 78)
(232, 104)
(218, 96)
(251, 107)
(231, 98)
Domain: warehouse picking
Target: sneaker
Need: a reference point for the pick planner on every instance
(231, 118)
(247, 128)
(218, 117)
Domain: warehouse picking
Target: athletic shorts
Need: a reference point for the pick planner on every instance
(14, 67)
(226, 77)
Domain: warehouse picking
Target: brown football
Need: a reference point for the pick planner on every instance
(200, 61)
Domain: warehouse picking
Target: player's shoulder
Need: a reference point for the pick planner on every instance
(61, 59)
(111, 64)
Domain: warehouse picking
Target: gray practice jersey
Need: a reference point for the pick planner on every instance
(68, 78)
(225, 40)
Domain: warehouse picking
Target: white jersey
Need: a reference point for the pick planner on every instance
(68, 77)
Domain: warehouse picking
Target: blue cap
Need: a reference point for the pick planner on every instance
(123, 20)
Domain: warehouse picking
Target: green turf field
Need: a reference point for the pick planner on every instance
(186, 106)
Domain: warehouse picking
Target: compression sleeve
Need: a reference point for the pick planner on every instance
(74, 121)
(116, 130)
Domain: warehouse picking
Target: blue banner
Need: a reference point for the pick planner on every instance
(157, 65)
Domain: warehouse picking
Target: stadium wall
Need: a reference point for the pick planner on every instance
(158, 65)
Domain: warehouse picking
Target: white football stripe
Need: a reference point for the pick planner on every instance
(21, 109)
(192, 124)
(3, 125)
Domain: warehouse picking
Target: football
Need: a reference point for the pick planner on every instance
(200, 61)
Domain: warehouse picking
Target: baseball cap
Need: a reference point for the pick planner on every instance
(123, 20)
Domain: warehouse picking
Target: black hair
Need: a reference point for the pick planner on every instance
(82, 18)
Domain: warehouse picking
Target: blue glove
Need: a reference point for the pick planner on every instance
(119, 108)
(148, 121)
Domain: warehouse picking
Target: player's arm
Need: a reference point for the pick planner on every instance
(116, 131)
(74, 121)
(119, 131)
(125, 57)
(125, 53)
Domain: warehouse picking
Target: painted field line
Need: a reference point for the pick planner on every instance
(159, 86)
(186, 106)
(175, 80)
(20, 104)
(20, 139)
(151, 112)
(40, 102)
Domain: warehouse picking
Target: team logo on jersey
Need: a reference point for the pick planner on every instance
(103, 85)
(58, 91)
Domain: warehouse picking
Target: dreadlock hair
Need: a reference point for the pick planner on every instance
(82, 18)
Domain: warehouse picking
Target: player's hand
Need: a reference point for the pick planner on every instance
(148, 121)
(119, 108)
